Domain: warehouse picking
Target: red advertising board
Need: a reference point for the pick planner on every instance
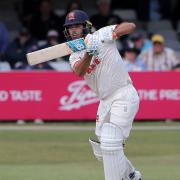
(64, 96)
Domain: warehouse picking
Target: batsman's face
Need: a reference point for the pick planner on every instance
(76, 31)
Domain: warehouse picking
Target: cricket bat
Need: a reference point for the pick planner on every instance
(56, 51)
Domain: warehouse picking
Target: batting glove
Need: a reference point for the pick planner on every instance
(92, 44)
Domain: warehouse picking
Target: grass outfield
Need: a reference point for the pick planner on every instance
(66, 155)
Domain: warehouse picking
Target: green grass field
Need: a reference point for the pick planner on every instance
(67, 155)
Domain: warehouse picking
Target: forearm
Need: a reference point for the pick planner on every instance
(124, 28)
(80, 67)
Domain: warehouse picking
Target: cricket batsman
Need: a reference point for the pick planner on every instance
(102, 68)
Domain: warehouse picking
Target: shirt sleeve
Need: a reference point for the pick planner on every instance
(76, 57)
(107, 34)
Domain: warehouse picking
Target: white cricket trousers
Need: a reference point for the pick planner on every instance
(120, 109)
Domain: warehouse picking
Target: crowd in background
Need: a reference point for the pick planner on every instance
(42, 27)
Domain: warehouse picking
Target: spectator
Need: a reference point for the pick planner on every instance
(152, 9)
(128, 4)
(140, 43)
(52, 39)
(104, 16)
(143, 10)
(4, 40)
(25, 11)
(176, 15)
(159, 58)
(4, 66)
(165, 8)
(176, 68)
(73, 5)
(131, 60)
(44, 20)
(17, 50)
(42, 66)
(60, 65)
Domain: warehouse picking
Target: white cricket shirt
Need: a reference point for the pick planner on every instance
(106, 73)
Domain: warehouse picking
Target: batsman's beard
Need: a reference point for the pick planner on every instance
(75, 35)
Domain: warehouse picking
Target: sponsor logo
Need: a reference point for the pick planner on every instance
(21, 96)
(93, 66)
(80, 95)
(71, 16)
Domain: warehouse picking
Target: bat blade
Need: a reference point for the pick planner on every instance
(56, 51)
(47, 54)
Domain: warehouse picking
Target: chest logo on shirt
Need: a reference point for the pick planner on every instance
(93, 66)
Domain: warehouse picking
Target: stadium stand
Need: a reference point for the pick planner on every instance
(153, 26)
(9, 16)
(178, 29)
(174, 44)
(126, 14)
(168, 33)
(60, 12)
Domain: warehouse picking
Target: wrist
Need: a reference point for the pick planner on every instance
(87, 55)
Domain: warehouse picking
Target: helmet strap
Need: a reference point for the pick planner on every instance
(87, 28)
